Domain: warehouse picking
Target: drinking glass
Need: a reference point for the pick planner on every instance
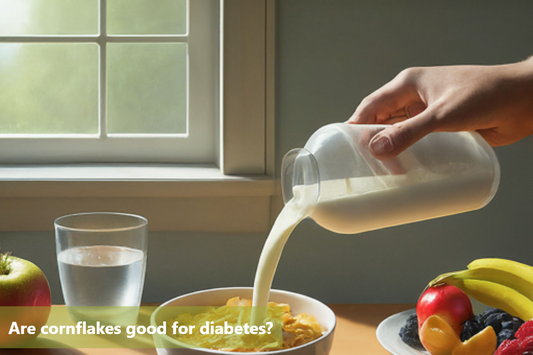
(102, 263)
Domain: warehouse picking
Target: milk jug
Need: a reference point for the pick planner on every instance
(351, 192)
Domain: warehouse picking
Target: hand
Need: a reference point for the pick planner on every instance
(496, 101)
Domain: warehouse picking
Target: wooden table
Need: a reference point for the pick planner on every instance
(355, 333)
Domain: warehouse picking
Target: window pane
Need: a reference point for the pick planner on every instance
(147, 88)
(48, 88)
(146, 17)
(48, 17)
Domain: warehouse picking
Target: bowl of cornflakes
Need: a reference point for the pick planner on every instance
(306, 326)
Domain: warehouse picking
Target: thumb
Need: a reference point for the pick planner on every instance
(395, 139)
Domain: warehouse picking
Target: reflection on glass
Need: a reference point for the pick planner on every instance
(147, 88)
(48, 88)
(48, 17)
(146, 17)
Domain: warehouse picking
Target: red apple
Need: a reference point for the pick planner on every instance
(448, 302)
(24, 298)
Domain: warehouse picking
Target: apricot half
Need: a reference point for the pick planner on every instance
(483, 343)
(438, 337)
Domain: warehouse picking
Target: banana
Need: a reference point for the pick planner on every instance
(495, 295)
(498, 283)
(517, 280)
(510, 266)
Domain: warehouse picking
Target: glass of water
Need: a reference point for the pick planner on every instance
(102, 263)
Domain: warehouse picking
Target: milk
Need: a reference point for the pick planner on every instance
(361, 204)
(294, 211)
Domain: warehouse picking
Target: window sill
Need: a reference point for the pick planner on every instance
(120, 180)
(173, 198)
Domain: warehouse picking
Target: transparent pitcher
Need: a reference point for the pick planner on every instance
(442, 174)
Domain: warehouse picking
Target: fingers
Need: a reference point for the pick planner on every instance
(416, 109)
(406, 112)
(380, 106)
(397, 102)
(395, 139)
(394, 99)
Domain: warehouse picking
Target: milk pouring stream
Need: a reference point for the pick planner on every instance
(335, 181)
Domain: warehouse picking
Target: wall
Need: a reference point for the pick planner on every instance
(331, 53)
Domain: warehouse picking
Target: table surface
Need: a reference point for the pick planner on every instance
(355, 333)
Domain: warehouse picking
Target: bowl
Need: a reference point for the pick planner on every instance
(167, 345)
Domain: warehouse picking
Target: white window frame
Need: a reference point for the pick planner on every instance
(238, 193)
(196, 145)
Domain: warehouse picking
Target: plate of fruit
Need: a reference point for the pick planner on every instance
(444, 322)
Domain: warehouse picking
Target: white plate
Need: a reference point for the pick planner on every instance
(387, 334)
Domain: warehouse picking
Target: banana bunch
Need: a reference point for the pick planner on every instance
(498, 283)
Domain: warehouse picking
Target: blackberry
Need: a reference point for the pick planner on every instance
(506, 334)
(409, 333)
(490, 311)
(504, 325)
(470, 328)
(495, 320)
(513, 324)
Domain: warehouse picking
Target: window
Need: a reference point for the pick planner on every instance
(230, 127)
(109, 81)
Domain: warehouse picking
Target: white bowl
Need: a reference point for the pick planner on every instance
(218, 296)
